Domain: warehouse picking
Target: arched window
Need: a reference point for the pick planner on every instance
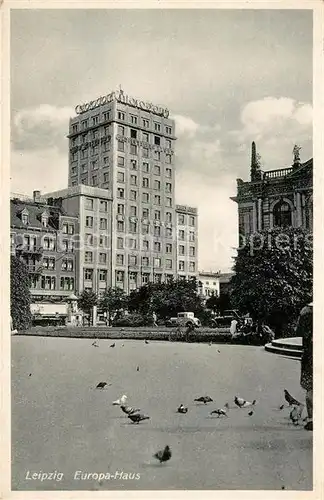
(282, 215)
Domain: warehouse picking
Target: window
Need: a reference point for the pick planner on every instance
(94, 180)
(71, 228)
(132, 260)
(102, 275)
(145, 183)
(48, 283)
(106, 161)
(168, 158)
(157, 170)
(132, 243)
(120, 225)
(95, 164)
(88, 257)
(192, 251)
(89, 221)
(168, 232)
(106, 116)
(133, 133)
(133, 149)
(192, 267)
(132, 227)
(121, 115)
(133, 211)
(121, 130)
(133, 195)
(89, 203)
(24, 217)
(157, 246)
(157, 140)
(191, 221)
(65, 228)
(146, 245)
(157, 277)
(157, 127)
(168, 187)
(168, 263)
(157, 185)
(103, 241)
(84, 168)
(145, 229)
(89, 239)
(168, 143)
(157, 200)
(157, 155)
(157, 230)
(133, 180)
(120, 161)
(84, 124)
(181, 219)
(133, 164)
(73, 170)
(168, 130)
(145, 213)
(120, 209)
(145, 123)
(145, 137)
(145, 261)
(103, 224)
(95, 120)
(168, 216)
(191, 236)
(74, 128)
(88, 274)
(181, 250)
(168, 248)
(120, 259)
(120, 193)
(102, 258)
(120, 146)
(145, 153)
(84, 154)
(120, 177)
(181, 234)
(168, 172)
(103, 206)
(145, 197)
(157, 214)
(84, 138)
(157, 262)
(133, 119)
(120, 243)
(181, 265)
(282, 215)
(168, 202)
(146, 167)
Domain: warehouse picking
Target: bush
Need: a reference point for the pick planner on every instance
(133, 319)
(19, 294)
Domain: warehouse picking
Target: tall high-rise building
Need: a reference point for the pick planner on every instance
(125, 147)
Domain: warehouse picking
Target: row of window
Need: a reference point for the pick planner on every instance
(145, 122)
(133, 149)
(91, 136)
(95, 120)
(50, 263)
(146, 168)
(30, 243)
(49, 283)
(146, 197)
(145, 182)
(145, 137)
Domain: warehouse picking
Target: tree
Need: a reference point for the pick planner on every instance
(219, 303)
(112, 301)
(274, 276)
(19, 294)
(87, 301)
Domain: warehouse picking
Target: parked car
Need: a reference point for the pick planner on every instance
(184, 319)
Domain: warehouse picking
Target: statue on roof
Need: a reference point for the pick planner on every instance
(296, 153)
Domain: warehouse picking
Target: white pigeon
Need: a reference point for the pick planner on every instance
(242, 403)
(120, 401)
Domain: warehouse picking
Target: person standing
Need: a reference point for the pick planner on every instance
(233, 327)
(304, 329)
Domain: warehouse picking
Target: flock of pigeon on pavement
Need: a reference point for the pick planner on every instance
(133, 413)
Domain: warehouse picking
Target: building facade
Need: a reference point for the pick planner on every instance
(125, 147)
(275, 198)
(41, 235)
(209, 284)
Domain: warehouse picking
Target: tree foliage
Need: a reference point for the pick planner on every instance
(19, 294)
(88, 299)
(113, 300)
(273, 276)
(166, 299)
(219, 303)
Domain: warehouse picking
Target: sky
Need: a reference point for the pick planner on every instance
(228, 77)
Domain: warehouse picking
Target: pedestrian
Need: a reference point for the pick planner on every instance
(304, 329)
(233, 328)
(190, 329)
(154, 319)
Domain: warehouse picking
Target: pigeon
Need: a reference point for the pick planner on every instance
(112, 345)
(146, 341)
(120, 401)
(210, 343)
(281, 407)
(29, 375)
(137, 417)
(163, 455)
(218, 350)
(219, 412)
(101, 385)
(182, 409)
(137, 369)
(242, 403)
(95, 343)
(122, 345)
(290, 400)
(204, 399)
(295, 414)
(129, 410)
(250, 413)
(226, 405)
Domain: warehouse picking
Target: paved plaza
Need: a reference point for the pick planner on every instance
(61, 423)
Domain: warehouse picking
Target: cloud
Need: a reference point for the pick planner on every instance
(42, 127)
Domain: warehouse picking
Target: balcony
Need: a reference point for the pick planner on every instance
(274, 174)
(26, 250)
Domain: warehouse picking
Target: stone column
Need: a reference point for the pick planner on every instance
(260, 222)
(299, 215)
(94, 316)
(254, 214)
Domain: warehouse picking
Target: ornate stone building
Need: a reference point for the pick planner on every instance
(275, 198)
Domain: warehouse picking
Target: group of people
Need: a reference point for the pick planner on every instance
(250, 330)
